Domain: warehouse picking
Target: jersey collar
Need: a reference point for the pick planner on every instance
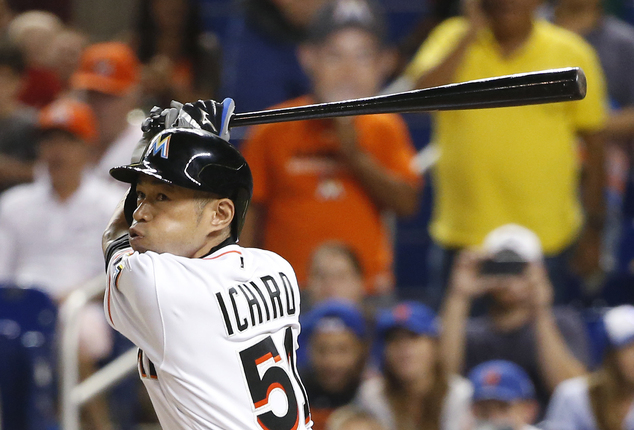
(228, 241)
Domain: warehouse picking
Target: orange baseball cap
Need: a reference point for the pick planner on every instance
(72, 116)
(110, 67)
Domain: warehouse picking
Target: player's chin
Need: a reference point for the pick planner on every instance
(136, 243)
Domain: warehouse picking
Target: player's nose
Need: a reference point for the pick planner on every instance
(142, 212)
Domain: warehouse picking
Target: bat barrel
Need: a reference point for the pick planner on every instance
(546, 86)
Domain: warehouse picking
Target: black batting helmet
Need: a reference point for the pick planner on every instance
(198, 160)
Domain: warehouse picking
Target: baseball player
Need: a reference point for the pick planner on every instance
(216, 324)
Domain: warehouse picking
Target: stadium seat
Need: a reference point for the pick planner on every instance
(27, 359)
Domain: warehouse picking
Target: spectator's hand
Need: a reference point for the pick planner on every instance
(541, 289)
(586, 260)
(346, 136)
(466, 281)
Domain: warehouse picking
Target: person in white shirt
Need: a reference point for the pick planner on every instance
(603, 400)
(49, 229)
(503, 397)
(216, 324)
(414, 391)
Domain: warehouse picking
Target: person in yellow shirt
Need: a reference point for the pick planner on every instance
(517, 165)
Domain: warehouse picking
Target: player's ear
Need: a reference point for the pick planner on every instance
(223, 213)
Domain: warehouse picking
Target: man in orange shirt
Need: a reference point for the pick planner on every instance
(322, 180)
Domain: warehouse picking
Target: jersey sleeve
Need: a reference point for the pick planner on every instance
(131, 302)
(440, 43)
(255, 152)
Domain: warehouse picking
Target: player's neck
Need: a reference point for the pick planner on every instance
(214, 245)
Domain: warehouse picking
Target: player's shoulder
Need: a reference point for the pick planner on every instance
(264, 257)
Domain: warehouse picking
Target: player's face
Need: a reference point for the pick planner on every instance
(348, 64)
(171, 219)
(409, 356)
(336, 358)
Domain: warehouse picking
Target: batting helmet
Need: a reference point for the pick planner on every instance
(198, 160)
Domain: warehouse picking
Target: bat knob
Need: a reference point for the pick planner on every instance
(581, 83)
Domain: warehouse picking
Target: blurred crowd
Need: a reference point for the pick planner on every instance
(523, 315)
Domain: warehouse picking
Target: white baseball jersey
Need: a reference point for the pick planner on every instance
(217, 336)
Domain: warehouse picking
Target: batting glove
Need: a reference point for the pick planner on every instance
(207, 115)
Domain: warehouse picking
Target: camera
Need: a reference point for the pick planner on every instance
(505, 262)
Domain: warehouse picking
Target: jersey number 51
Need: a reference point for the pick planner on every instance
(274, 377)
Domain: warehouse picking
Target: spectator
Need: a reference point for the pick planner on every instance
(109, 74)
(353, 418)
(335, 333)
(603, 400)
(503, 397)
(334, 273)
(305, 172)
(17, 122)
(181, 62)
(614, 41)
(33, 32)
(6, 15)
(65, 54)
(50, 229)
(260, 64)
(520, 324)
(517, 165)
(414, 392)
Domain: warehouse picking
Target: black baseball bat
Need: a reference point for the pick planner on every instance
(546, 86)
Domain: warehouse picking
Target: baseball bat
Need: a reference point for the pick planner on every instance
(546, 86)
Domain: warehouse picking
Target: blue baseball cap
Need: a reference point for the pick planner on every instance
(334, 315)
(501, 380)
(412, 316)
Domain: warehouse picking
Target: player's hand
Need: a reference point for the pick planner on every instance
(160, 119)
(207, 115)
(465, 280)
(157, 120)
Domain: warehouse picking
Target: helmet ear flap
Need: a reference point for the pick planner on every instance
(130, 204)
(241, 199)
